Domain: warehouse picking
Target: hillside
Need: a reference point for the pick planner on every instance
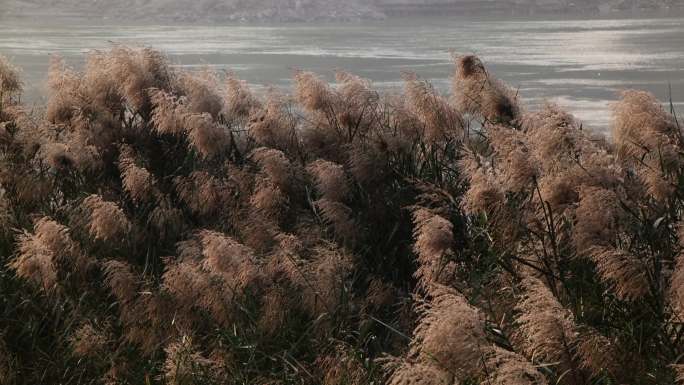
(440, 7)
(208, 10)
(310, 10)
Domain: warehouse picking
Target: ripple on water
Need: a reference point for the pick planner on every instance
(579, 64)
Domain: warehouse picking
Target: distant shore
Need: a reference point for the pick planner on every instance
(328, 11)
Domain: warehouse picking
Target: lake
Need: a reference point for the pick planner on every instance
(580, 64)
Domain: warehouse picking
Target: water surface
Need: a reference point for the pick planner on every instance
(580, 64)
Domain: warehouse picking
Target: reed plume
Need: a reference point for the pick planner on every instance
(434, 238)
(225, 256)
(327, 275)
(676, 284)
(312, 92)
(480, 94)
(204, 135)
(409, 373)
(597, 215)
(483, 195)
(202, 93)
(183, 364)
(275, 165)
(331, 180)
(161, 226)
(202, 192)
(240, 101)
(450, 334)
(598, 354)
(137, 181)
(59, 157)
(89, 342)
(517, 169)
(168, 113)
(434, 112)
(272, 125)
(509, 368)
(342, 368)
(63, 93)
(107, 221)
(42, 252)
(121, 280)
(269, 199)
(623, 271)
(547, 328)
(339, 215)
(10, 81)
(648, 139)
(135, 72)
(35, 263)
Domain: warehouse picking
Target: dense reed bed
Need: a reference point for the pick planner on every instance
(166, 227)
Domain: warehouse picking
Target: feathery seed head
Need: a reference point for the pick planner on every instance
(450, 333)
(107, 221)
(331, 180)
(312, 92)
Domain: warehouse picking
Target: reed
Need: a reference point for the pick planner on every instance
(166, 227)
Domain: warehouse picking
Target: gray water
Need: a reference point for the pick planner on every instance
(580, 64)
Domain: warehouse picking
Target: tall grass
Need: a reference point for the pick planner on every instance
(160, 226)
